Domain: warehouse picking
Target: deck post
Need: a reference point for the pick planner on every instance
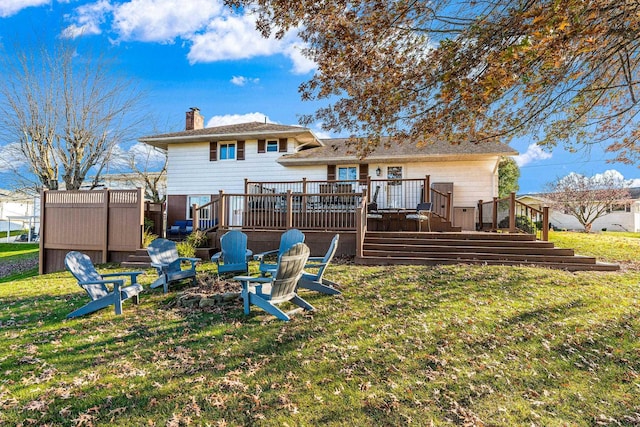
(361, 226)
(303, 202)
(545, 223)
(104, 244)
(222, 224)
(427, 186)
(246, 186)
(494, 219)
(289, 209)
(195, 217)
(480, 225)
(448, 213)
(512, 212)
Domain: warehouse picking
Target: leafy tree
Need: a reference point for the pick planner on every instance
(508, 175)
(587, 198)
(564, 71)
(63, 112)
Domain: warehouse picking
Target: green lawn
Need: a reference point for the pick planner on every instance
(17, 250)
(450, 345)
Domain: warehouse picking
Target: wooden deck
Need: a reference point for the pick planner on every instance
(388, 248)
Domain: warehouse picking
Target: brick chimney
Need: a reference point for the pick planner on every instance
(194, 119)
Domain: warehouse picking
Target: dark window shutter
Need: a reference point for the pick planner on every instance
(213, 151)
(331, 172)
(364, 172)
(240, 153)
(282, 145)
(262, 146)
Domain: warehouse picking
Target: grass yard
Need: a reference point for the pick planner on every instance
(449, 345)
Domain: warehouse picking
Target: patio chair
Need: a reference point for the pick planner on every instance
(234, 255)
(267, 292)
(288, 239)
(327, 189)
(315, 281)
(372, 208)
(423, 213)
(165, 259)
(95, 284)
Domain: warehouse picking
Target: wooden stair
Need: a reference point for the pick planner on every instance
(382, 248)
(140, 259)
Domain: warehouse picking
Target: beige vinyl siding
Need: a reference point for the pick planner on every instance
(472, 180)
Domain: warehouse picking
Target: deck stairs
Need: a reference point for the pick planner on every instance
(138, 260)
(385, 248)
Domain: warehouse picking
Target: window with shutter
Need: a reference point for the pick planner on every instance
(240, 154)
(213, 151)
(331, 172)
(364, 172)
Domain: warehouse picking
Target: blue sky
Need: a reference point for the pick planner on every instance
(196, 53)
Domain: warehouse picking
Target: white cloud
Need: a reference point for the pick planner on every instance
(301, 64)
(534, 152)
(242, 80)
(163, 20)
(232, 119)
(88, 19)
(231, 37)
(11, 7)
(212, 31)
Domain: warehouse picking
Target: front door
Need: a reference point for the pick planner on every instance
(394, 187)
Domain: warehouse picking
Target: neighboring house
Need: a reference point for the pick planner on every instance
(17, 210)
(622, 217)
(125, 181)
(203, 161)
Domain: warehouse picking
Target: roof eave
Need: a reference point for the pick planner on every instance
(165, 141)
(377, 158)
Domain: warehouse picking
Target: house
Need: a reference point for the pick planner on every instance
(622, 217)
(204, 161)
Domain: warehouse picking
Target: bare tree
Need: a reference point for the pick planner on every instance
(149, 167)
(64, 111)
(587, 198)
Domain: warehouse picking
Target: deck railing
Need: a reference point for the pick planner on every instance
(275, 211)
(513, 216)
(265, 207)
(386, 193)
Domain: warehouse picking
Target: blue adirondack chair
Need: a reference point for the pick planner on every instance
(234, 255)
(165, 259)
(288, 239)
(268, 292)
(95, 284)
(315, 281)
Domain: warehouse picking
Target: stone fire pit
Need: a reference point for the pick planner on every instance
(211, 292)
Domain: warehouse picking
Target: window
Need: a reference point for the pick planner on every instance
(200, 201)
(227, 151)
(272, 146)
(347, 173)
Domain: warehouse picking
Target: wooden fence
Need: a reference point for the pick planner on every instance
(105, 224)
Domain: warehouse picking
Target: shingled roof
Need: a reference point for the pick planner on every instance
(251, 130)
(341, 151)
